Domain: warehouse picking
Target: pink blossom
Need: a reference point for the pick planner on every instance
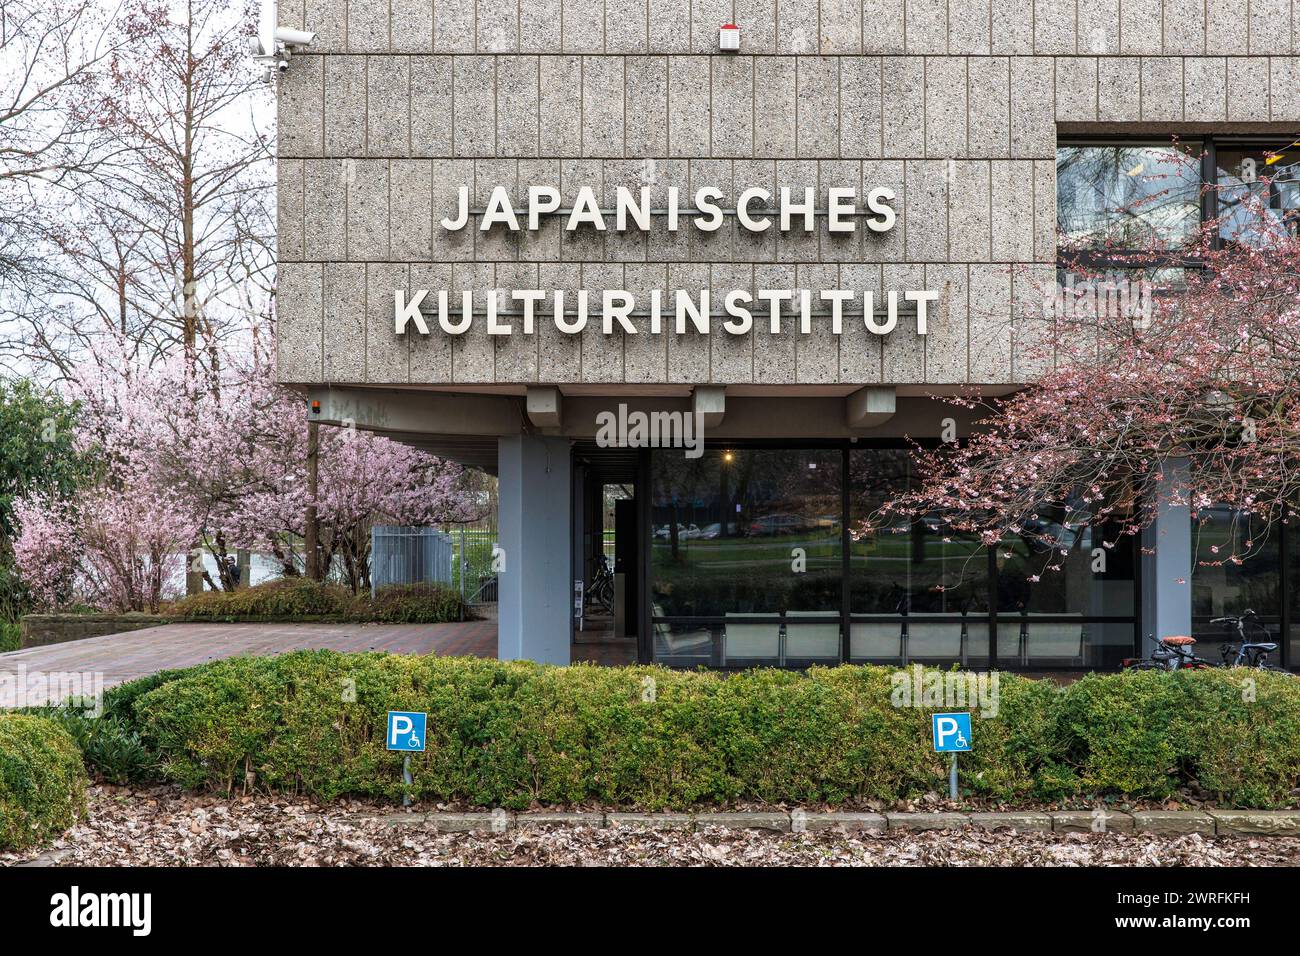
(217, 459)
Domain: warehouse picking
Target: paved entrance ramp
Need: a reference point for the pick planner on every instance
(126, 656)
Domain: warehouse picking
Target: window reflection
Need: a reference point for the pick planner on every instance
(913, 566)
(1259, 194)
(1127, 196)
(1095, 566)
(752, 536)
(1293, 573)
(1222, 587)
(1063, 570)
(747, 565)
(922, 571)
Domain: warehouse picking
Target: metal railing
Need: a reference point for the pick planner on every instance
(474, 563)
(405, 554)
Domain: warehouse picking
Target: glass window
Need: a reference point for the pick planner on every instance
(1224, 587)
(918, 589)
(1065, 565)
(1054, 580)
(913, 566)
(1259, 192)
(1292, 537)
(747, 563)
(1111, 294)
(1127, 195)
(751, 537)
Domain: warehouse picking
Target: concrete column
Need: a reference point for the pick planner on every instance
(536, 590)
(1167, 563)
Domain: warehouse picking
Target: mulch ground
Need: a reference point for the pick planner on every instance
(164, 827)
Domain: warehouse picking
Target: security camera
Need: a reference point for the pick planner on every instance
(284, 42)
(290, 37)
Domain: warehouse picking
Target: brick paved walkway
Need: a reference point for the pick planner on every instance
(123, 657)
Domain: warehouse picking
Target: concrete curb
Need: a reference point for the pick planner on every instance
(1223, 823)
(1234, 823)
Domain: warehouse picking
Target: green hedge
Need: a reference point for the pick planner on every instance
(300, 598)
(411, 604)
(1234, 732)
(42, 781)
(11, 635)
(516, 734)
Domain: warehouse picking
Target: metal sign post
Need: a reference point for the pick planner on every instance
(578, 603)
(406, 733)
(952, 735)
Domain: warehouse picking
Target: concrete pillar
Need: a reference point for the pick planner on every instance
(535, 606)
(1167, 563)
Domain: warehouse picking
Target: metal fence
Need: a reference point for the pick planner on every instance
(461, 556)
(402, 554)
(474, 566)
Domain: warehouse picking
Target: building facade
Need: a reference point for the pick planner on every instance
(617, 152)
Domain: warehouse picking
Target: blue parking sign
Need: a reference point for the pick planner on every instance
(951, 732)
(406, 730)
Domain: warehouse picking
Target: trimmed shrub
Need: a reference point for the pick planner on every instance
(1238, 734)
(209, 726)
(11, 635)
(410, 604)
(301, 598)
(120, 700)
(1234, 732)
(516, 733)
(643, 736)
(832, 736)
(1117, 732)
(282, 598)
(42, 781)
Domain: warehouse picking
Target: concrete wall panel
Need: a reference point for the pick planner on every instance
(953, 104)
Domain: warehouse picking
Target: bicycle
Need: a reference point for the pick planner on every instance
(1174, 653)
(602, 586)
(1171, 654)
(1245, 652)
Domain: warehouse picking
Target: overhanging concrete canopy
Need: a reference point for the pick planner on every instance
(462, 427)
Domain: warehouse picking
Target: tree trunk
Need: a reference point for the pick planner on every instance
(311, 535)
(193, 580)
